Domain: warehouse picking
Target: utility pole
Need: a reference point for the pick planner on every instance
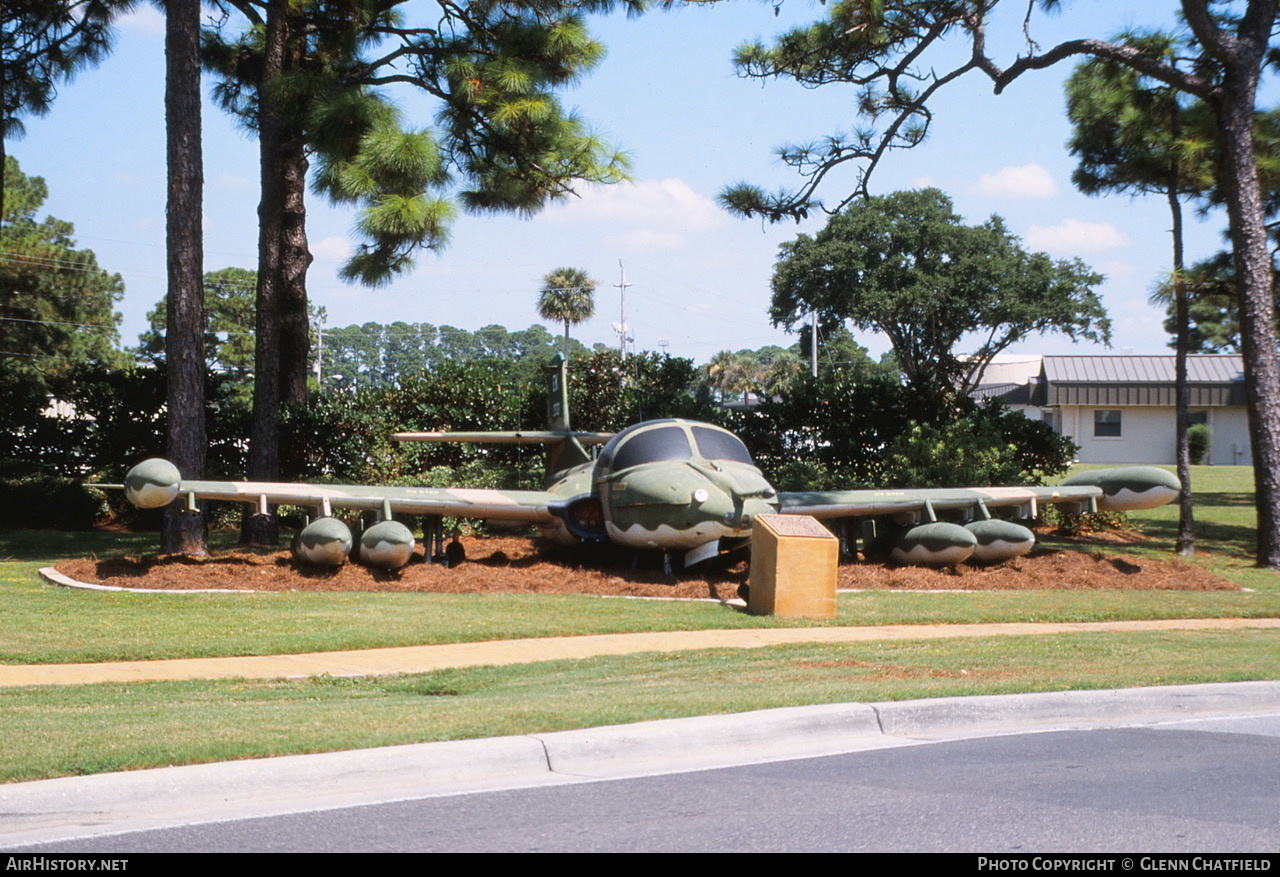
(621, 326)
(320, 353)
(813, 343)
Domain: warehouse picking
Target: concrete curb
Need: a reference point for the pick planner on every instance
(73, 807)
(53, 577)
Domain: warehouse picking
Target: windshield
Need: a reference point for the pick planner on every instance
(651, 446)
(714, 444)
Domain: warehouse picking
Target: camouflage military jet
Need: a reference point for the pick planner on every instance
(684, 488)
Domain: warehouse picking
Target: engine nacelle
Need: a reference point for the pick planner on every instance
(583, 517)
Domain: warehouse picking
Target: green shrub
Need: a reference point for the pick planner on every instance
(1083, 523)
(1198, 442)
(49, 503)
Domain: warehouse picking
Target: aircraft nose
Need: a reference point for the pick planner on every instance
(754, 508)
(740, 514)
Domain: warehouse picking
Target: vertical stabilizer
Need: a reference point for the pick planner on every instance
(564, 455)
(557, 375)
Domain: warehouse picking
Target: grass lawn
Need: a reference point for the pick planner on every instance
(53, 732)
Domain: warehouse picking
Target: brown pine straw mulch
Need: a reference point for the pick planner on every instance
(515, 565)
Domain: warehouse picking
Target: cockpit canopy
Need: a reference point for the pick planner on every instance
(671, 440)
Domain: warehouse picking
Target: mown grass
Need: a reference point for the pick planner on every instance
(57, 731)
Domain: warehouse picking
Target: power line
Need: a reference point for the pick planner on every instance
(49, 262)
(59, 323)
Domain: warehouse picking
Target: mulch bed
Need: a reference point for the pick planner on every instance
(516, 565)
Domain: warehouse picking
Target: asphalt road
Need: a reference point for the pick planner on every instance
(1192, 768)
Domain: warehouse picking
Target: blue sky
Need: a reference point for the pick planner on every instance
(667, 93)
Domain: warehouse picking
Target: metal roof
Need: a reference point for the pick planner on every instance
(1210, 369)
(1011, 393)
(1141, 380)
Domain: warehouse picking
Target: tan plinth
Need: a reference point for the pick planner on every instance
(793, 567)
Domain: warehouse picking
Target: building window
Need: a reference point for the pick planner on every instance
(1106, 423)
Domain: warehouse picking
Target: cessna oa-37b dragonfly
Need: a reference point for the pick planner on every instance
(677, 486)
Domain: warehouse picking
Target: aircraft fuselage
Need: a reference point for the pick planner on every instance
(664, 484)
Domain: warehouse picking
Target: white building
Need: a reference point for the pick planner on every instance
(1120, 409)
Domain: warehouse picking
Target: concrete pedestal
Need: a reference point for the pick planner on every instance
(793, 567)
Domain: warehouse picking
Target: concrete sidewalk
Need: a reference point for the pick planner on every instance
(420, 659)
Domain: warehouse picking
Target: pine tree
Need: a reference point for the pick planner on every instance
(1136, 135)
(42, 44)
(307, 74)
(57, 307)
(184, 532)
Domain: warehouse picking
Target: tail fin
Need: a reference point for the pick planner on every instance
(557, 375)
(564, 455)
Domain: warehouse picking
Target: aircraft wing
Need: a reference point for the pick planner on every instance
(527, 437)
(1121, 489)
(155, 483)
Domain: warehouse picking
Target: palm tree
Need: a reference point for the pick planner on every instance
(729, 374)
(567, 296)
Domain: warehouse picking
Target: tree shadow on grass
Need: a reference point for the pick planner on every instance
(63, 544)
(1226, 500)
(1226, 540)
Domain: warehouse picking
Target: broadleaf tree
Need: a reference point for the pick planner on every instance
(906, 265)
(229, 327)
(900, 56)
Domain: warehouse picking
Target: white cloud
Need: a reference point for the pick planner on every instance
(924, 182)
(145, 18)
(648, 215)
(1024, 182)
(645, 240)
(1073, 236)
(331, 249)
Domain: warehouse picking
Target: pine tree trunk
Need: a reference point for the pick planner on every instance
(1186, 541)
(295, 330)
(1253, 266)
(264, 425)
(184, 532)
